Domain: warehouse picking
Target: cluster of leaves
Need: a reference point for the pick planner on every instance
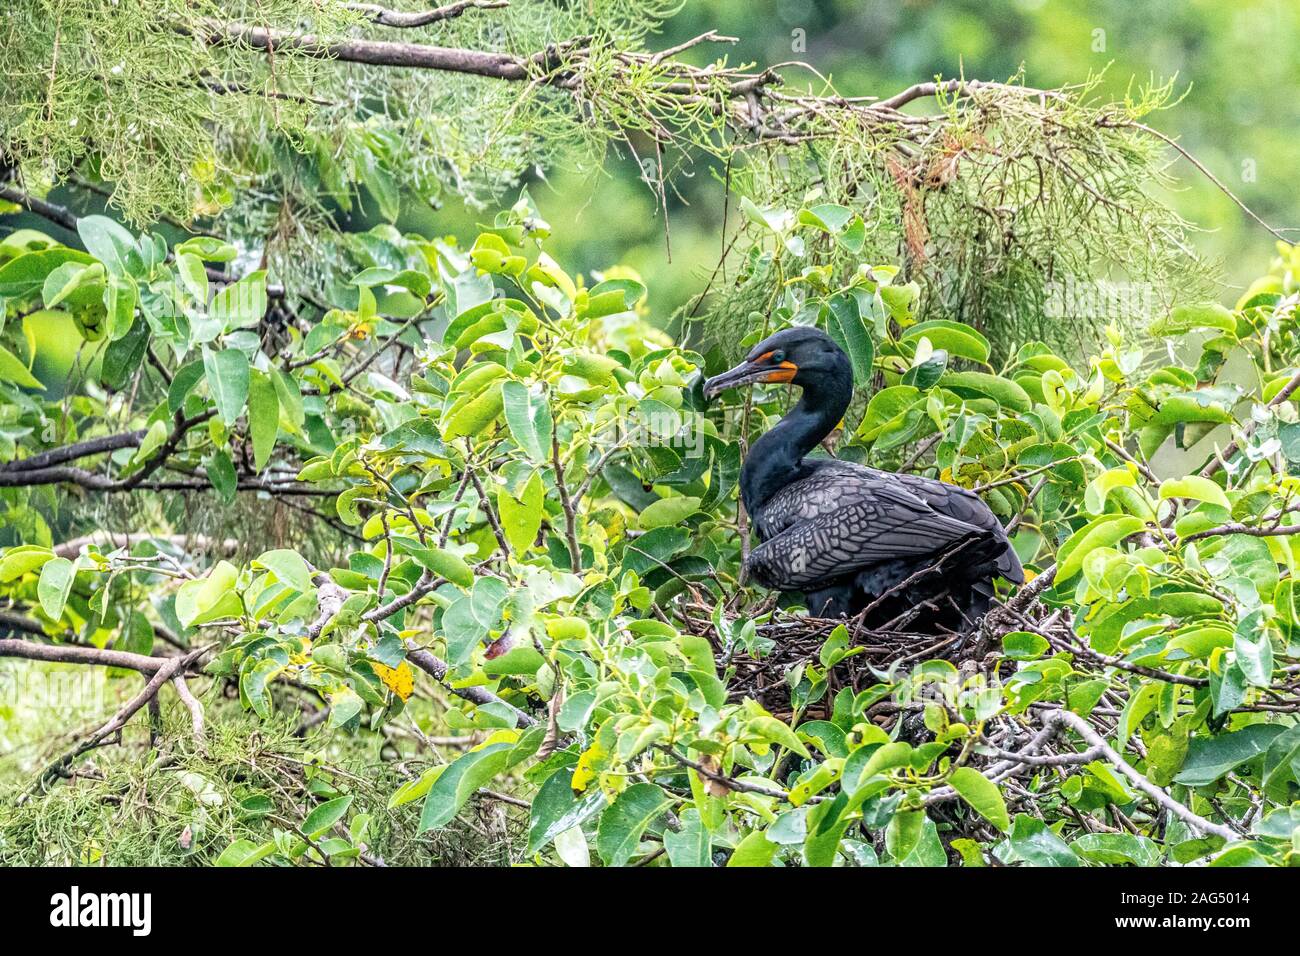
(536, 510)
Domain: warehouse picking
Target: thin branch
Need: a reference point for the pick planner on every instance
(1090, 736)
(500, 66)
(1204, 171)
(121, 539)
(77, 654)
(406, 20)
(566, 502)
(196, 711)
(83, 449)
(437, 668)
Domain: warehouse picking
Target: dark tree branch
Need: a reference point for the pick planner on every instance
(76, 654)
(59, 215)
(436, 668)
(500, 66)
(66, 453)
(17, 622)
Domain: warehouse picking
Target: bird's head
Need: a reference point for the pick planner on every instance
(801, 355)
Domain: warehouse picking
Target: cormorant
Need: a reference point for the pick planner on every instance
(914, 552)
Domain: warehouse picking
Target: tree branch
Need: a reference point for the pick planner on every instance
(84, 449)
(59, 215)
(437, 668)
(500, 66)
(121, 539)
(404, 19)
(77, 654)
(1084, 729)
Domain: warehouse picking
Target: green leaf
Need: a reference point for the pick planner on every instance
(1209, 758)
(252, 685)
(777, 732)
(413, 790)
(691, 845)
(529, 418)
(152, 441)
(844, 324)
(521, 518)
(474, 416)
(982, 385)
(21, 559)
(459, 781)
(106, 241)
(263, 416)
(1281, 765)
(27, 273)
(755, 850)
(1117, 849)
(557, 808)
(208, 248)
(124, 355)
(523, 660)
(289, 568)
(469, 618)
(1253, 648)
(667, 512)
(119, 301)
(240, 304)
(221, 472)
(1102, 532)
(983, 796)
(55, 585)
(1203, 315)
(1024, 646)
(903, 833)
(244, 853)
(953, 337)
(290, 398)
(325, 816)
(888, 409)
(208, 598)
(829, 217)
(1196, 488)
(183, 382)
(621, 825)
(227, 374)
(13, 370)
(1032, 842)
(445, 564)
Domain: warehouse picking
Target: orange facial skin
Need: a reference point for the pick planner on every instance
(785, 372)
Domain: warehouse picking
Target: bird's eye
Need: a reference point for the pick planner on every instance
(778, 357)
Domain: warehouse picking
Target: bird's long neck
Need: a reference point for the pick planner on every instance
(776, 458)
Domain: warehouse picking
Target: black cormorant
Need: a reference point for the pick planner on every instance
(913, 552)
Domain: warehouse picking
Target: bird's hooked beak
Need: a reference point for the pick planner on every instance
(760, 369)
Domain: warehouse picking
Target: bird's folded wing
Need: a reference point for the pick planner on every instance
(876, 521)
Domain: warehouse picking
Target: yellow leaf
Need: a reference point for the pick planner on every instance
(400, 680)
(584, 772)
